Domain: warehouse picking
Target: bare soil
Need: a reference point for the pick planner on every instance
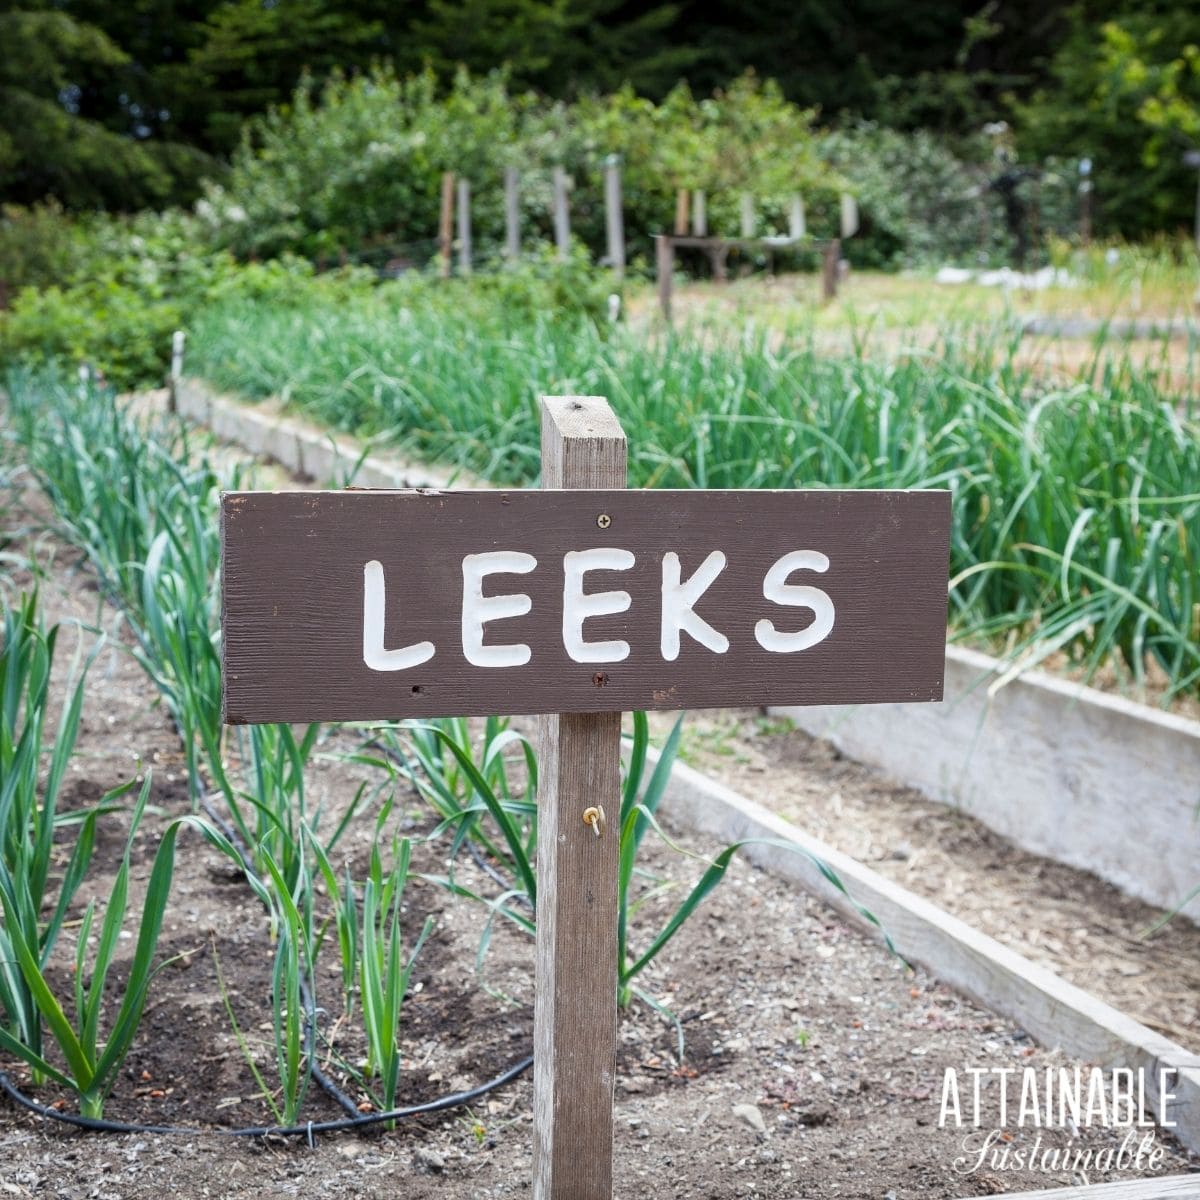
(839, 1049)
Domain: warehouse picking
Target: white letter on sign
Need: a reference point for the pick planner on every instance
(577, 606)
(777, 589)
(678, 600)
(374, 655)
(478, 608)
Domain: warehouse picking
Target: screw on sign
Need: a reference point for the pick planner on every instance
(578, 602)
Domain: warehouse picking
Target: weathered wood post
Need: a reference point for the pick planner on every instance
(177, 342)
(446, 224)
(664, 263)
(681, 212)
(830, 258)
(614, 217)
(512, 214)
(575, 1005)
(562, 218)
(849, 216)
(749, 218)
(464, 226)
(797, 225)
(699, 213)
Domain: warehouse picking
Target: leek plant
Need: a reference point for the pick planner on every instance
(471, 795)
(91, 1059)
(1101, 471)
(29, 814)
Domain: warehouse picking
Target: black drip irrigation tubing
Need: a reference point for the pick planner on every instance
(307, 1130)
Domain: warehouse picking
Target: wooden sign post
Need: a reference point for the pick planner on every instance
(575, 1002)
(579, 601)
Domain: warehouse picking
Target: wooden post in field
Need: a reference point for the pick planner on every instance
(664, 262)
(1086, 190)
(830, 258)
(562, 219)
(797, 225)
(446, 224)
(614, 217)
(681, 212)
(575, 1004)
(849, 216)
(464, 226)
(177, 341)
(749, 219)
(512, 214)
(699, 214)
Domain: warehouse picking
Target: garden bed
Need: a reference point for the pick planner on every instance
(837, 1046)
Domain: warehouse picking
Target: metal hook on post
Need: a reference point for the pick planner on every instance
(594, 817)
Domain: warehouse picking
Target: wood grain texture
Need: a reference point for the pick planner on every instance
(294, 595)
(575, 1006)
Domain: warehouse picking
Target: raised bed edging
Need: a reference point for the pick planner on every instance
(1056, 1013)
(1080, 776)
(302, 448)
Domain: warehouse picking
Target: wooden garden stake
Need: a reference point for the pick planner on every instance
(613, 216)
(681, 212)
(849, 216)
(749, 218)
(446, 223)
(562, 219)
(575, 1006)
(464, 226)
(664, 262)
(177, 341)
(512, 214)
(797, 226)
(829, 268)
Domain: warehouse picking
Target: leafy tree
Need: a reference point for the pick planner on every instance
(47, 145)
(1126, 93)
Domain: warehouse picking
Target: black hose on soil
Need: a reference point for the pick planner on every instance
(453, 1100)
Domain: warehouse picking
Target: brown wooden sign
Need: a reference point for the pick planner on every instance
(358, 605)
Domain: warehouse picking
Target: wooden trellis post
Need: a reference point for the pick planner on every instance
(446, 224)
(512, 214)
(681, 212)
(664, 263)
(830, 258)
(699, 214)
(575, 1007)
(614, 217)
(562, 218)
(464, 226)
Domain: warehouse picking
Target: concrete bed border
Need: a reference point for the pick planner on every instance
(1054, 1012)
(1086, 778)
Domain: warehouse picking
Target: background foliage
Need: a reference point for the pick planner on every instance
(134, 105)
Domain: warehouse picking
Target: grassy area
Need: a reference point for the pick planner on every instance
(1076, 509)
(1104, 283)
